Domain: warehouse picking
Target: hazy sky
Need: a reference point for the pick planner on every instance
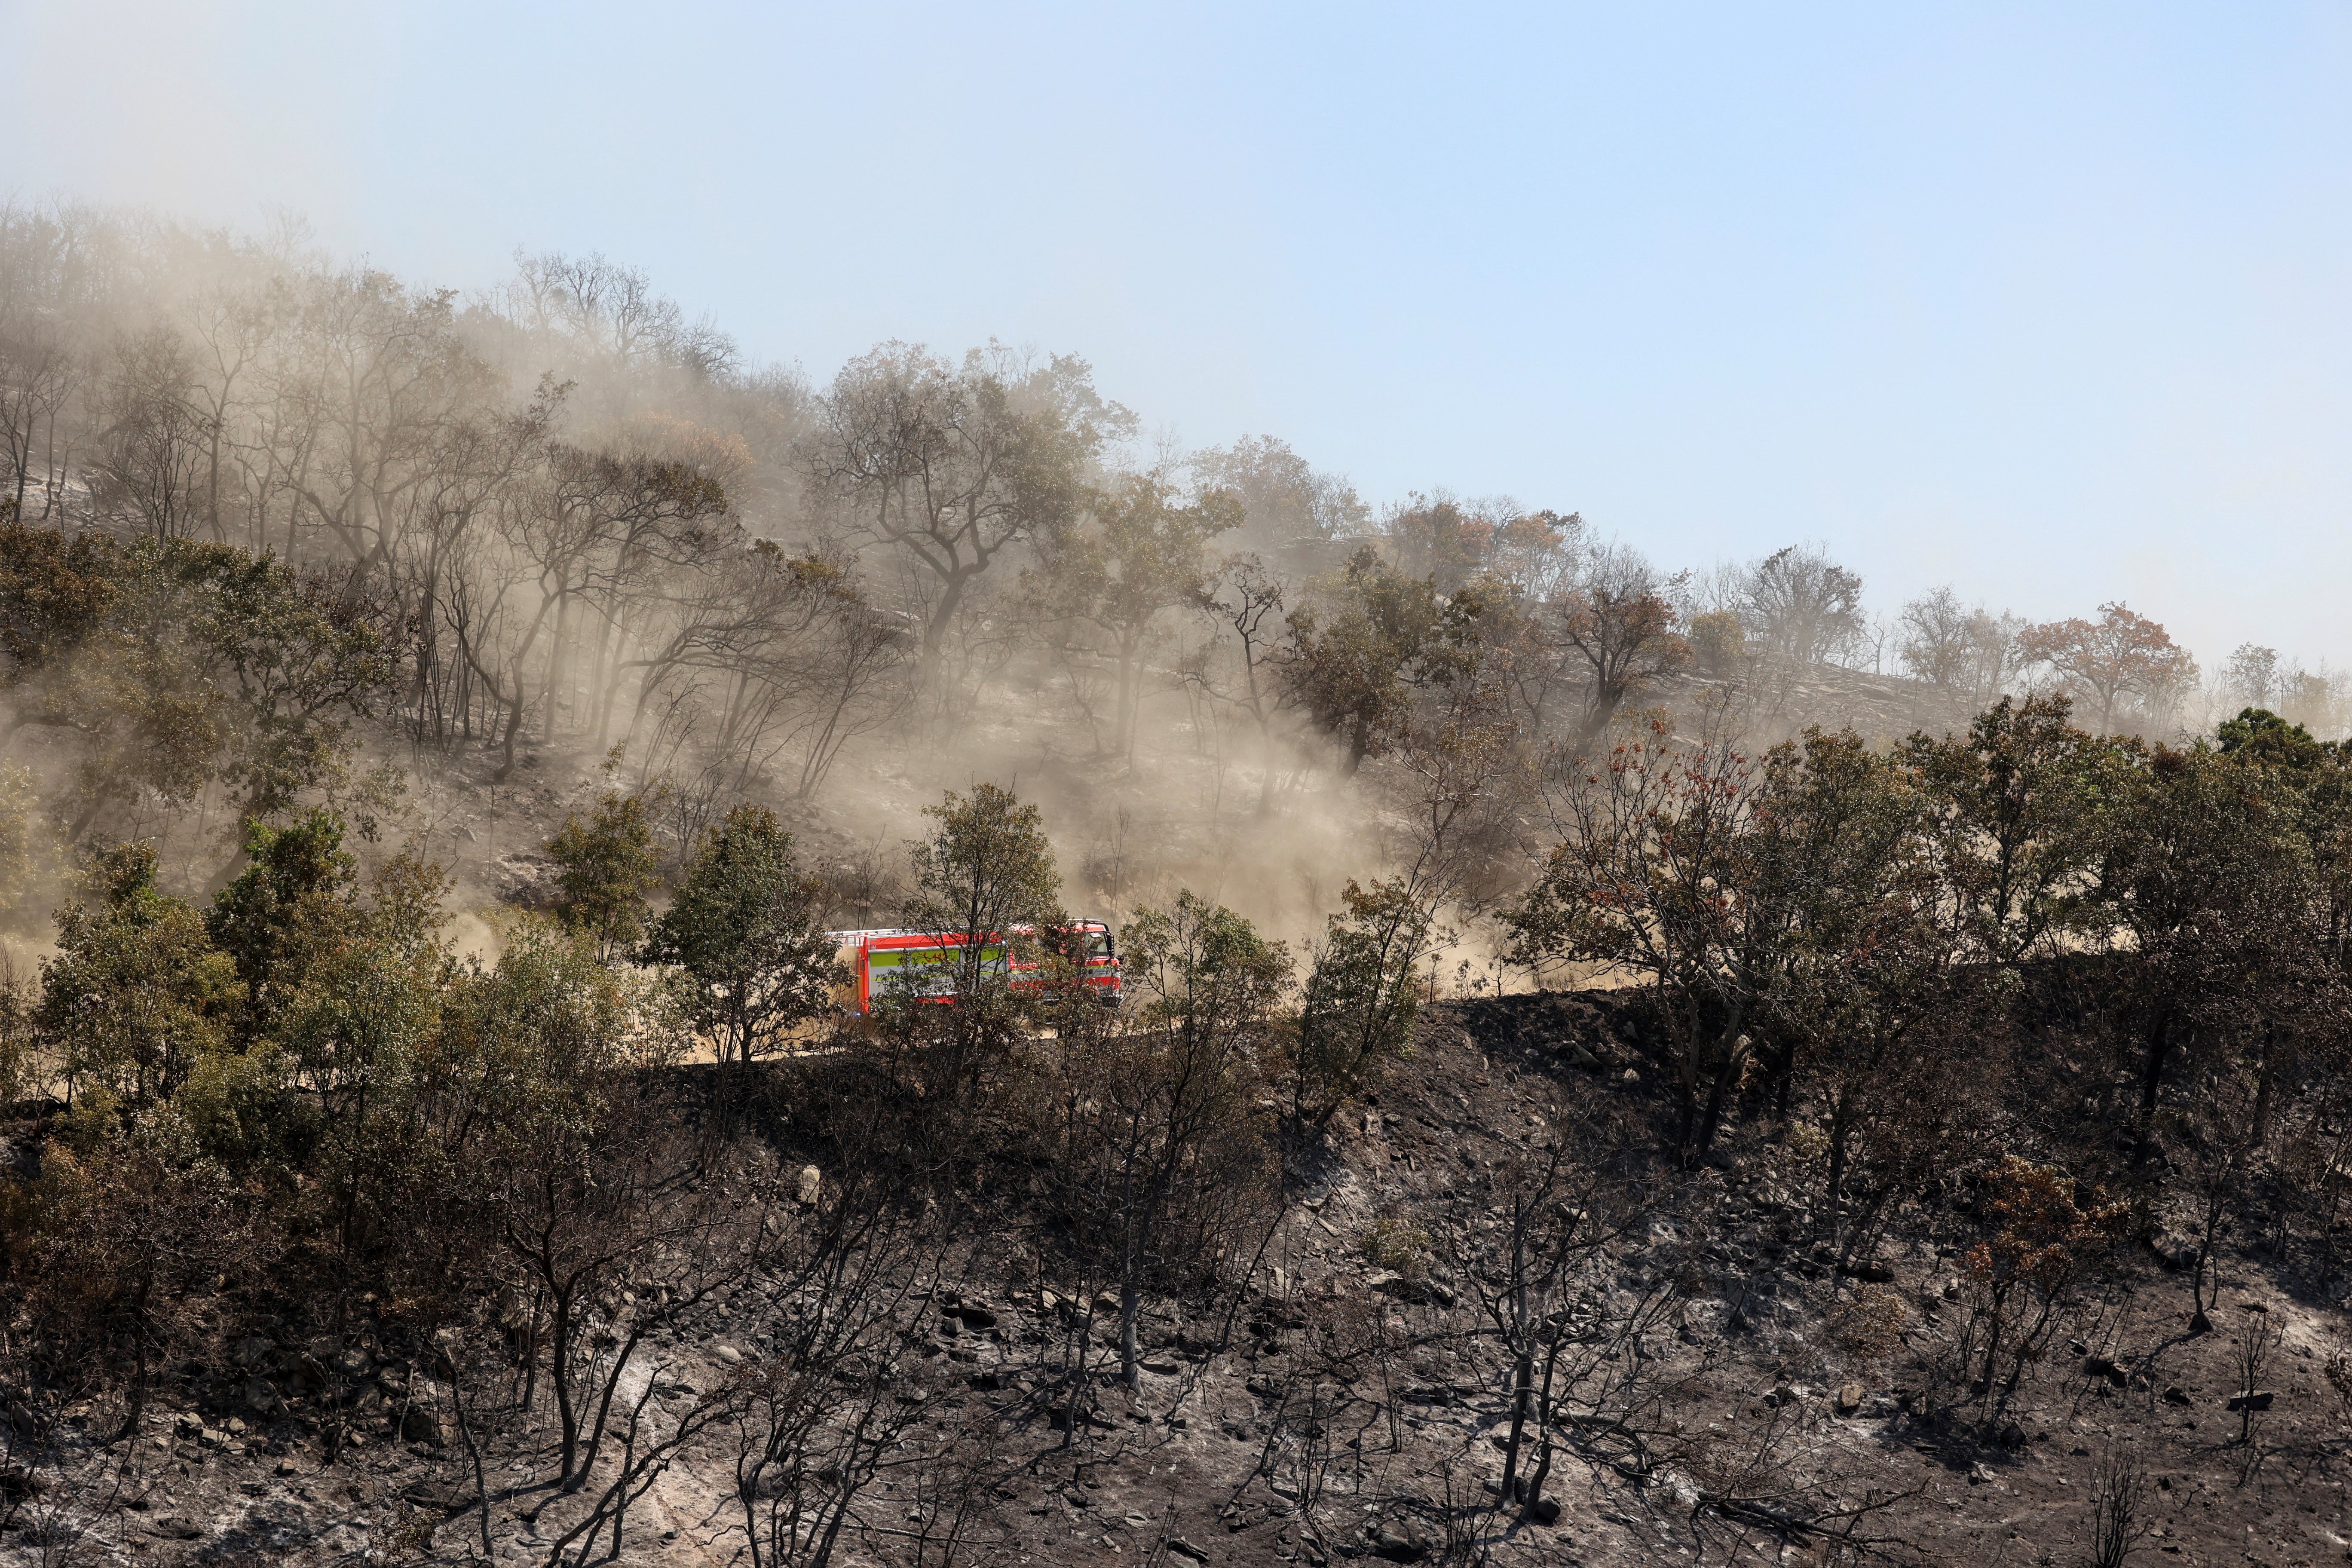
(2051, 306)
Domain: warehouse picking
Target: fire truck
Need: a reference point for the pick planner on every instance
(922, 964)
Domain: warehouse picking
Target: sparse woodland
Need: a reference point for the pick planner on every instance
(1616, 1062)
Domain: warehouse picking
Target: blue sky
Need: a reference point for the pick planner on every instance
(2053, 303)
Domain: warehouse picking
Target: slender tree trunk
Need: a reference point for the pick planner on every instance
(560, 1374)
(1523, 1361)
(1130, 1302)
(473, 1452)
(2264, 1086)
(1841, 1133)
(2151, 1082)
(597, 678)
(555, 658)
(935, 630)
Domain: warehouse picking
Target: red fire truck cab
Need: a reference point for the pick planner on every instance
(922, 964)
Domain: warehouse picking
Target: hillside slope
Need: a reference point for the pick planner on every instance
(1352, 1404)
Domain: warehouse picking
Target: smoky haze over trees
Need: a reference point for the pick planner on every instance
(561, 514)
(1992, 944)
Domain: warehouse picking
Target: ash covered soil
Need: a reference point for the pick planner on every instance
(1355, 1403)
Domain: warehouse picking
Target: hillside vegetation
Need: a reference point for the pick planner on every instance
(1606, 1069)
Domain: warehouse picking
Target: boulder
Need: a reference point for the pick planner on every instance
(811, 1187)
(419, 1426)
(2255, 1399)
(1849, 1398)
(1397, 1542)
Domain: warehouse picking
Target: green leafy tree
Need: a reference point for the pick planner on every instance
(1841, 863)
(2210, 874)
(131, 1222)
(2019, 814)
(1361, 999)
(55, 592)
(1741, 896)
(291, 907)
(2317, 776)
(1165, 1156)
(986, 867)
(18, 1062)
(1203, 972)
(137, 994)
(358, 1032)
(606, 866)
(985, 870)
(324, 1079)
(543, 1147)
(1837, 881)
(1357, 662)
(1650, 882)
(191, 665)
(2259, 735)
(745, 929)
